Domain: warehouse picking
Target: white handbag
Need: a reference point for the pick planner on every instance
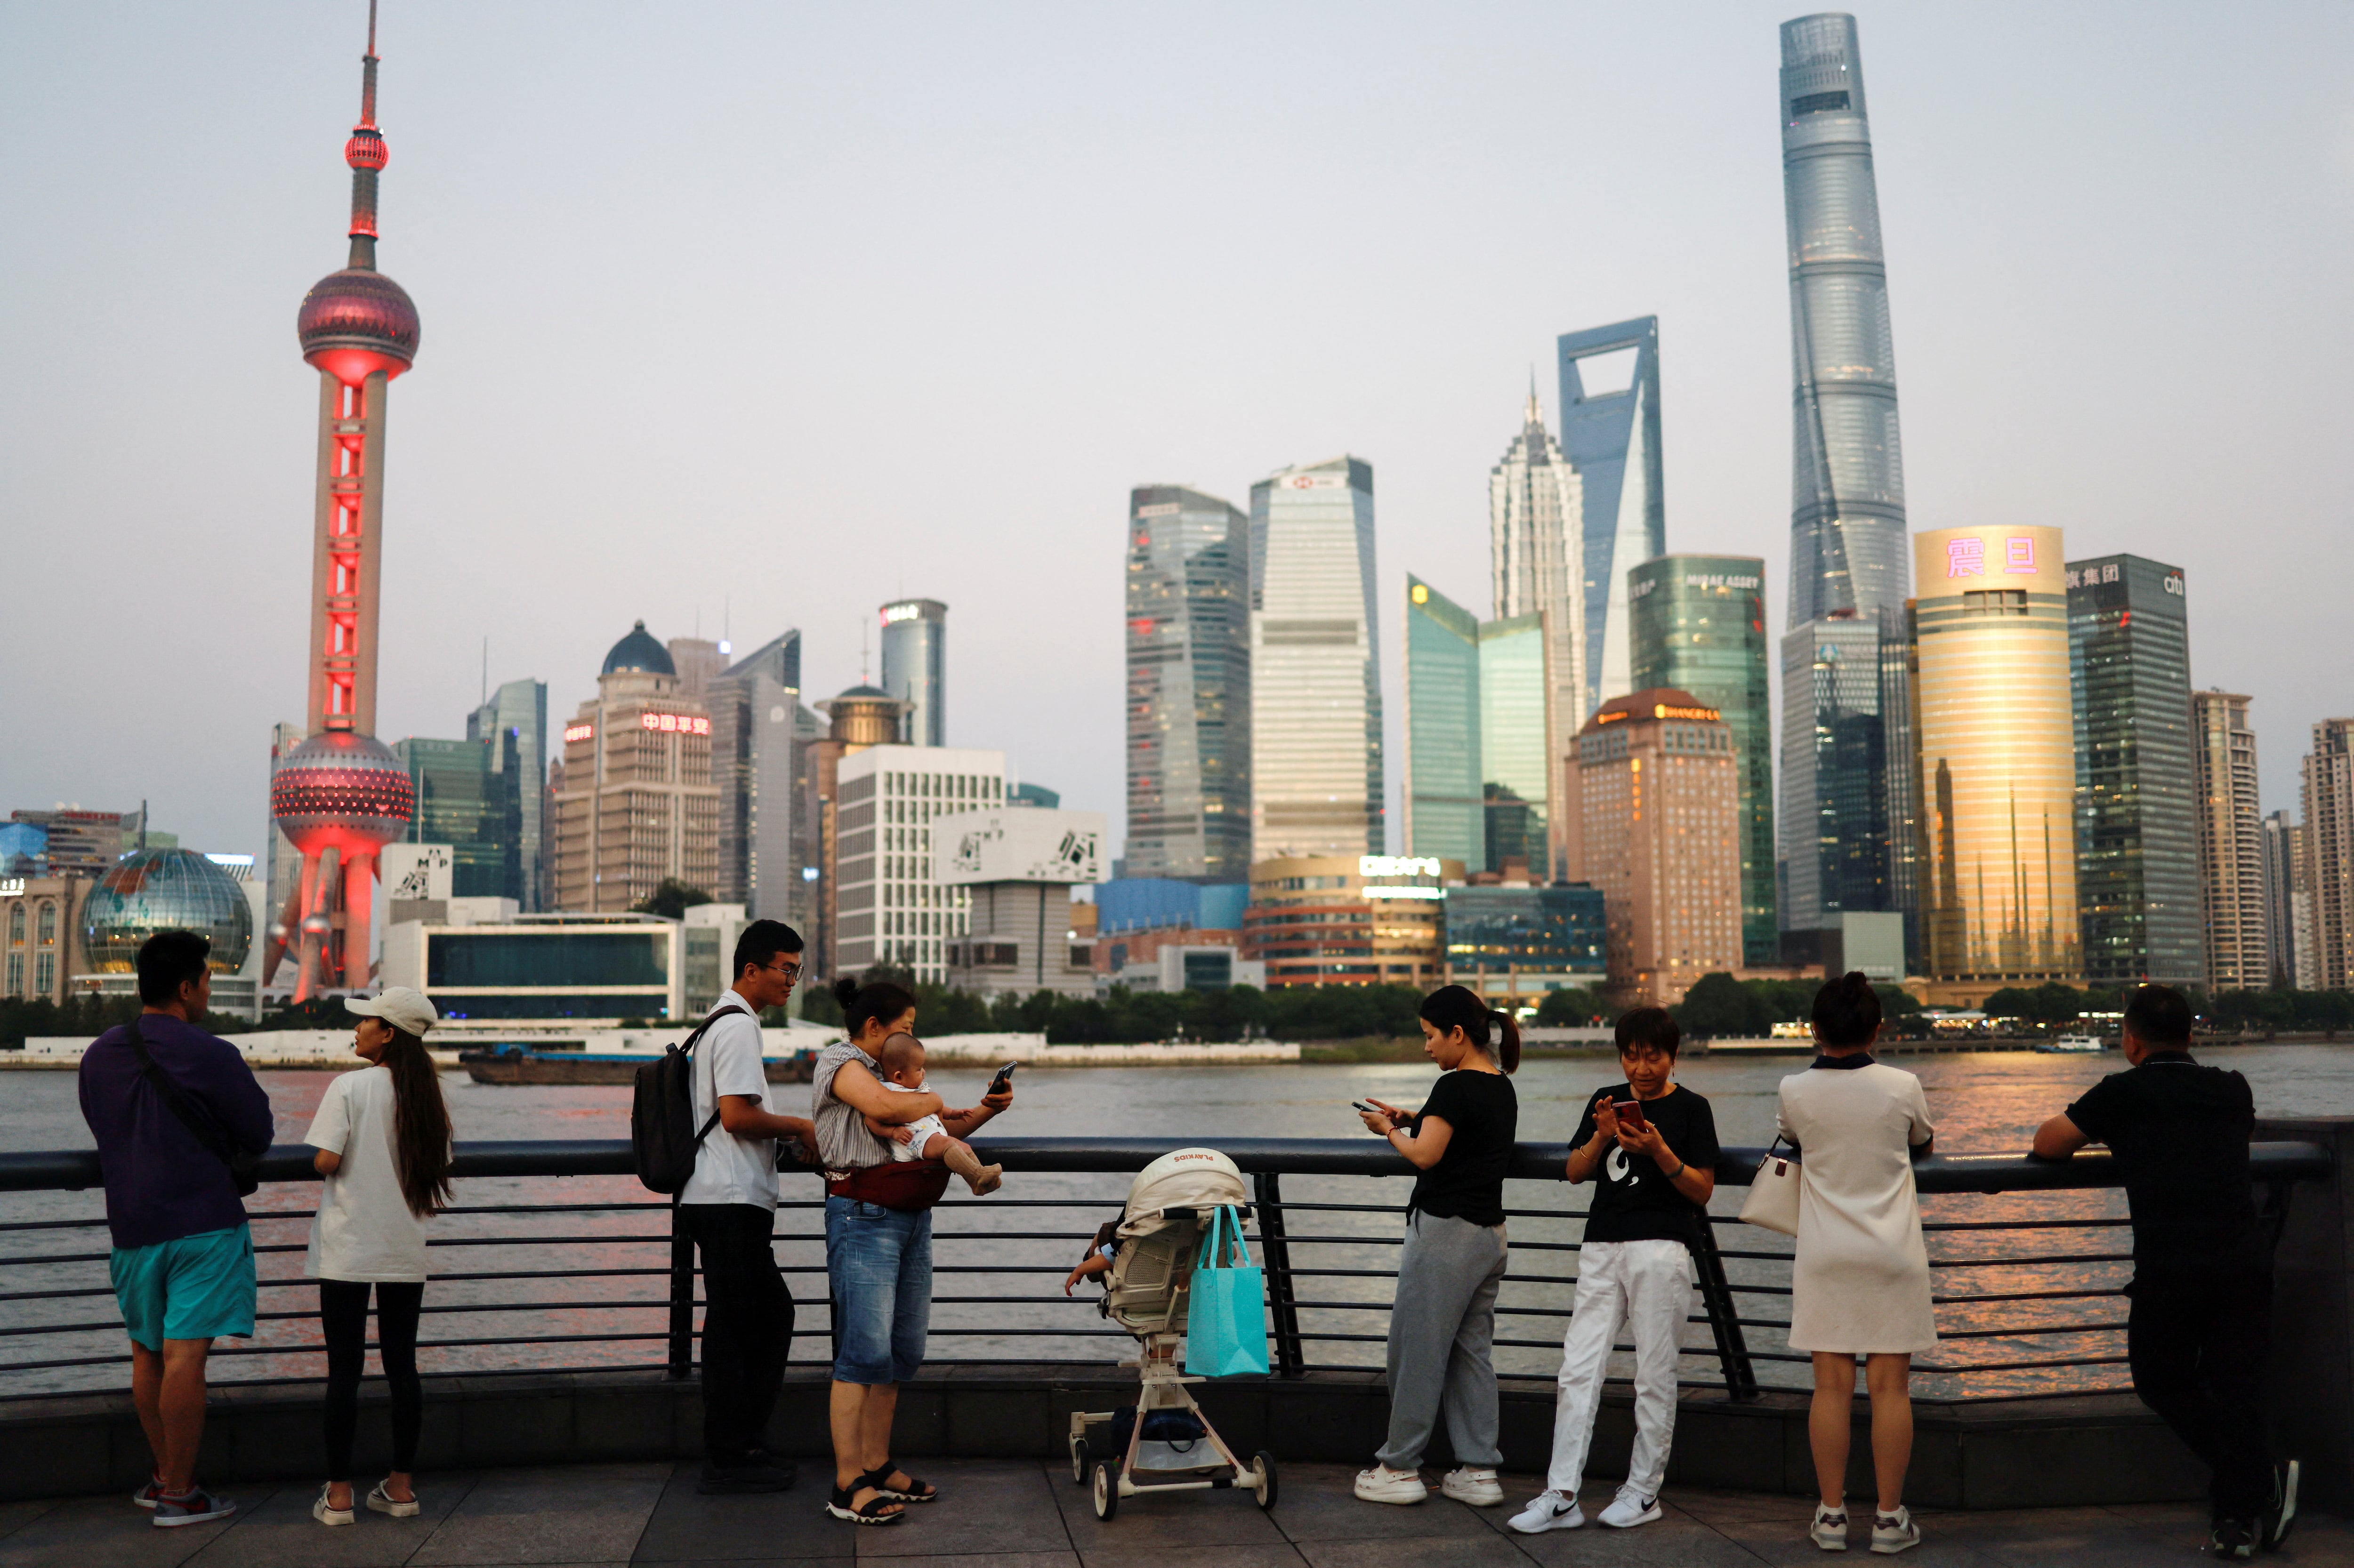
(1773, 1201)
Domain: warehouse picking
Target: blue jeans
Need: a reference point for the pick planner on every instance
(878, 1263)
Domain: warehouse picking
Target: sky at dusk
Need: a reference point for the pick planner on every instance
(752, 316)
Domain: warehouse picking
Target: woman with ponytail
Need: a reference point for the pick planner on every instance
(382, 1140)
(1860, 1282)
(1443, 1323)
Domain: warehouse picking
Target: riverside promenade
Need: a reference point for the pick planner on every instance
(1027, 1513)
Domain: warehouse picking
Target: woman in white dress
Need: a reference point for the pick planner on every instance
(1861, 1284)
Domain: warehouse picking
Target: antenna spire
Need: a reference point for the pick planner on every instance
(367, 154)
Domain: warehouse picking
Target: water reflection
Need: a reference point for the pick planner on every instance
(1001, 1260)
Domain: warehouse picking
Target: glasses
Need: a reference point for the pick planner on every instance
(791, 971)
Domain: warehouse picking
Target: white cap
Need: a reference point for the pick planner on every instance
(411, 1011)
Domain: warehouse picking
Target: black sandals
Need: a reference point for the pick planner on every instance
(838, 1505)
(919, 1490)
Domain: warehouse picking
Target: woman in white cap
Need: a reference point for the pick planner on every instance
(383, 1138)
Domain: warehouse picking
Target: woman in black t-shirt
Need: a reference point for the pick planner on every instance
(1444, 1320)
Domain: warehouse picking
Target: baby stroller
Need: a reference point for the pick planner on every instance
(1166, 1444)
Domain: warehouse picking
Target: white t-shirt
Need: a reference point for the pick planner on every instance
(728, 1168)
(364, 1229)
(922, 1127)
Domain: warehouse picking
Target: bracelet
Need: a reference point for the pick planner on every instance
(1680, 1170)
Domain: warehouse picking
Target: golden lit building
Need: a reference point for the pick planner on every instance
(2230, 843)
(1655, 823)
(1996, 758)
(634, 803)
(1371, 919)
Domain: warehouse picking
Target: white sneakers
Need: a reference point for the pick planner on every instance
(1468, 1484)
(1830, 1528)
(1894, 1533)
(1382, 1485)
(1548, 1511)
(1628, 1510)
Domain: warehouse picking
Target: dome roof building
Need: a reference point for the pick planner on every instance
(634, 800)
(165, 890)
(639, 653)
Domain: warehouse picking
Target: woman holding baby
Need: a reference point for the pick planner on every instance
(878, 1232)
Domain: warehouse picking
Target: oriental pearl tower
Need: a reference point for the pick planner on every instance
(341, 797)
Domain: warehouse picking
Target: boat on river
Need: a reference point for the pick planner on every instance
(516, 1064)
(2071, 1044)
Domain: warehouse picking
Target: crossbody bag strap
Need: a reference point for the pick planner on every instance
(688, 1050)
(179, 1103)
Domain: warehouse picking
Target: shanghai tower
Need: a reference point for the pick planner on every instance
(1845, 843)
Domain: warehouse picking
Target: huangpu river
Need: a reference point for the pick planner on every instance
(1001, 1260)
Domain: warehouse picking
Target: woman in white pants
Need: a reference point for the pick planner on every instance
(1650, 1145)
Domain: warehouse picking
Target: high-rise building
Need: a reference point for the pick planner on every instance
(1846, 517)
(1656, 803)
(916, 665)
(1316, 693)
(2288, 904)
(757, 695)
(1698, 623)
(635, 805)
(340, 797)
(697, 660)
(519, 709)
(1997, 766)
(1515, 777)
(2230, 843)
(860, 718)
(1440, 799)
(894, 909)
(469, 797)
(1514, 943)
(2136, 782)
(1350, 919)
(1610, 431)
(1847, 842)
(2327, 791)
(1189, 773)
(1537, 530)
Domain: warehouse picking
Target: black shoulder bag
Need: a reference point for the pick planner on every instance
(244, 1168)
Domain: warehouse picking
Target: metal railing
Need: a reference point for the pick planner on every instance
(1326, 1255)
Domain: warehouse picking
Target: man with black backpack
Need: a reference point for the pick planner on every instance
(729, 1207)
(178, 1120)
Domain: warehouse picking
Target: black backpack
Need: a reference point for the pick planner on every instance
(664, 1139)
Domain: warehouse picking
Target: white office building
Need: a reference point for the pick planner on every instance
(891, 906)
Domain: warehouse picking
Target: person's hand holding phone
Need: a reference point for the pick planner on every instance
(1001, 1089)
(1636, 1133)
(1606, 1118)
(1379, 1117)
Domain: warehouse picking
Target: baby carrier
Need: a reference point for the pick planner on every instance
(1165, 1442)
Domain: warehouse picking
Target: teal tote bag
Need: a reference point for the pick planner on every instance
(1226, 1325)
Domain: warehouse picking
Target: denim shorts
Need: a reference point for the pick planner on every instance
(197, 1288)
(878, 1264)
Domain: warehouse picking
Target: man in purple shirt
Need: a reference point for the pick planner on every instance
(183, 1263)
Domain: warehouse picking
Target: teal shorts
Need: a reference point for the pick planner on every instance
(197, 1288)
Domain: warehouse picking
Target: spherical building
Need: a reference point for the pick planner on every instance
(344, 791)
(356, 323)
(165, 890)
(639, 654)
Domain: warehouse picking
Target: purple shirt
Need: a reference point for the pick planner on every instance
(161, 1184)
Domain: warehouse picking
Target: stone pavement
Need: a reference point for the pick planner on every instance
(1022, 1513)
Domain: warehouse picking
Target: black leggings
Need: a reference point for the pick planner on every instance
(343, 1314)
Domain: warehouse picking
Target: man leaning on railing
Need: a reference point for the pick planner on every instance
(2201, 1323)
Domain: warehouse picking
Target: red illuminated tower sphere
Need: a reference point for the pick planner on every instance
(341, 797)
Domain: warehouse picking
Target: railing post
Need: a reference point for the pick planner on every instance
(2310, 1385)
(1723, 1315)
(1291, 1357)
(682, 1300)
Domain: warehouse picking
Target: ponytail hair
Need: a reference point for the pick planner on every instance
(420, 1124)
(1452, 1007)
(877, 1002)
(1847, 1011)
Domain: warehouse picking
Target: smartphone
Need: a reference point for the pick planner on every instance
(1630, 1113)
(1004, 1079)
(1369, 1110)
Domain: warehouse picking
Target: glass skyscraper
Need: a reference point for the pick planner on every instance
(519, 709)
(1611, 434)
(1316, 694)
(469, 797)
(1189, 686)
(1848, 840)
(755, 704)
(1536, 526)
(1444, 814)
(1516, 783)
(1698, 623)
(2136, 776)
(1997, 761)
(915, 665)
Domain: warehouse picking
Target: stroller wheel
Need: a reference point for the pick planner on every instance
(1082, 1458)
(1106, 1490)
(1262, 1478)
